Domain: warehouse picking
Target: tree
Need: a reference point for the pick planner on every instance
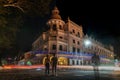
(11, 18)
(31, 7)
(9, 23)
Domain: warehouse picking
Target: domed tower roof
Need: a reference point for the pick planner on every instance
(55, 13)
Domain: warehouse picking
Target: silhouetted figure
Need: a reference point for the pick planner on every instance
(47, 65)
(96, 62)
(54, 61)
(0, 60)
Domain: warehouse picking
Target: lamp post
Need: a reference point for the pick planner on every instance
(85, 43)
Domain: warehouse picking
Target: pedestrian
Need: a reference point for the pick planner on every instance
(96, 62)
(54, 61)
(47, 65)
(0, 60)
(95, 59)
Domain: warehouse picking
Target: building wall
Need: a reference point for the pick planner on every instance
(68, 42)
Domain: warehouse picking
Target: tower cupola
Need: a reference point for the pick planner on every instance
(55, 13)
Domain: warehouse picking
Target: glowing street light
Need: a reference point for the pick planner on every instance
(86, 43)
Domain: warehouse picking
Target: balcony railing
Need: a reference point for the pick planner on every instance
(58, 39)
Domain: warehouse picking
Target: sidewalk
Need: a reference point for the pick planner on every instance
(68, 78)
(91, 67)
(62, 67)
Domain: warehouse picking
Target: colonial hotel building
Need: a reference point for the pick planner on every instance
(66, 39)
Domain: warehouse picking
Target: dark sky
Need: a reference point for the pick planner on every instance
(100, 19)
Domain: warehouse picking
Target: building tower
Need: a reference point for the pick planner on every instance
(66, 39)
(56, 31)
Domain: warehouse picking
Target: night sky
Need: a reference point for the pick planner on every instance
(100, 20)
(99, 17)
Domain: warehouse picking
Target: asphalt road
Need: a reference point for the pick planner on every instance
(62, 74)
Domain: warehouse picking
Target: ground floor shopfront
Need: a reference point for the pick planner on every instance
(68, 59)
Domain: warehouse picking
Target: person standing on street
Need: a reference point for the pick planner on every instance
(1, 60)
(96, 62)
(95, 59)
(47, 65)
(54, 61)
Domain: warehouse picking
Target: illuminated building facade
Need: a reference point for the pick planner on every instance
(66, 39)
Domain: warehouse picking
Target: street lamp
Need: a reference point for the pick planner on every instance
(86, 43)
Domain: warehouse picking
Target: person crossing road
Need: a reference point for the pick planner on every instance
(54, 61)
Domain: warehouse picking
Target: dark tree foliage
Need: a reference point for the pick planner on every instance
(31, 7)
(12, 19)
(9, 23)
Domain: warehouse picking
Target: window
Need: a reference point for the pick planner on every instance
(78, 50)
(78, 42)
(54, 47)
(70, 32)
(78, 34)
(73, 41)
(73, 49)
(60, 47)
(73, 31)
(54, 37)
(60, 27)
(61, 37)
(54, 27)
(45, 49)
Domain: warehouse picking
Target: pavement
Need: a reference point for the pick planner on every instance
(64, 73)
(33, 74)
(68, 78)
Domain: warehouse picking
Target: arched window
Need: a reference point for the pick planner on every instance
(73, 49)
(78, 42)
(60, 27)
(73, 31)
(54, 47)
(54, 27)
(78, 50)
(78, 34)
(60, 47)
(73, 41)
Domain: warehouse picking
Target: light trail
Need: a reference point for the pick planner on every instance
(61, 67)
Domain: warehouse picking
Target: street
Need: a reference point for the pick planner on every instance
(62, 74)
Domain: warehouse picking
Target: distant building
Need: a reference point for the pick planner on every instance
(66, 39)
